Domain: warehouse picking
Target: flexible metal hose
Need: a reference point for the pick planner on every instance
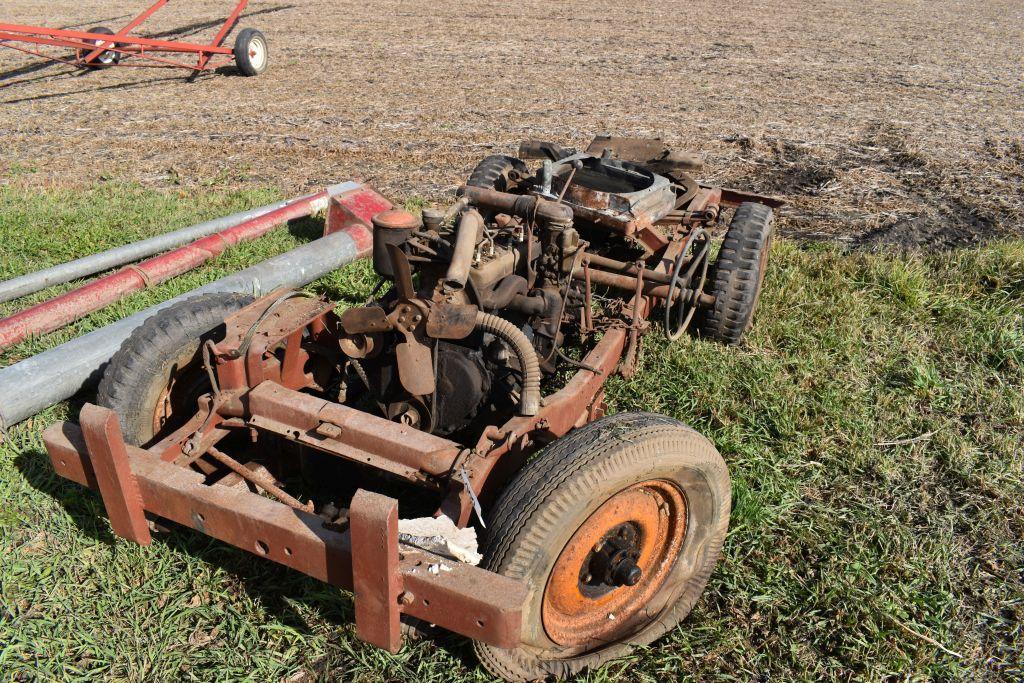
(529, 400)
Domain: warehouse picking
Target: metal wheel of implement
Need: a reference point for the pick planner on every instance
(679, 313)
(615, 562)
(251, 52)
(616, 527)
(105, 58)
(156, 377)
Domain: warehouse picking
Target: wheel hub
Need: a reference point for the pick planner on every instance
(612, 562)
(179, 396)
(615, 564)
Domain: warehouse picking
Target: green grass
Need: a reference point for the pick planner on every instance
(845, 560)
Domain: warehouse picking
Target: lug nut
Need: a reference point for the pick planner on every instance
(628, 574)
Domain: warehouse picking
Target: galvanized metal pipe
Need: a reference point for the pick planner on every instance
(78, 303)
(35, 383)
(118, 256)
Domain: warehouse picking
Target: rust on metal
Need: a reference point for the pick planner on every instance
(113, 474)
(438, 382)
(259, 479)
(465, 599)
(376, 578)
(363, 319)
(407, 451)
(614, 564)
(451, 321)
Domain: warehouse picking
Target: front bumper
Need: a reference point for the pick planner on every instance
(389, 578)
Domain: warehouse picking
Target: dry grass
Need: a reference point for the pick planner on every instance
(895, 122)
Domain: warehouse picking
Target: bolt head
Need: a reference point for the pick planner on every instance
(628, 575)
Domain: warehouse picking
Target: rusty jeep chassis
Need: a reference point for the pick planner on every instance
(260, 389)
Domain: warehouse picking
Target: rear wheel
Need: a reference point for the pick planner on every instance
(105, 58)
(251, 52)
(738, 273)
(156, 377)
(494, 172)
(616, 528)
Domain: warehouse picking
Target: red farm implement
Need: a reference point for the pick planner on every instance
(101, 47)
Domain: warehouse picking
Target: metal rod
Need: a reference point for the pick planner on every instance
(118, 256)
(627, 268)
(258, 479)
(229, 23)
(124, 30)
(626, 283)
(31, 34)
(78, 303)
(588, 315)
(35, 383)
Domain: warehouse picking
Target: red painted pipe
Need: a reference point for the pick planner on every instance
(78, 303)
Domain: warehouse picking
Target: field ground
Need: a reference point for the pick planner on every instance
(885, 122)
(872, 426)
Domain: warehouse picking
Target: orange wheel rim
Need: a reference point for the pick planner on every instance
(614, 564)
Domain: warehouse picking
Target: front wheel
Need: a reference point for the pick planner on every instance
(251, 52)
(616, 528)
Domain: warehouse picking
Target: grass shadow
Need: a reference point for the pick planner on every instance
(82, 505)
(116, 86)
(199, 26)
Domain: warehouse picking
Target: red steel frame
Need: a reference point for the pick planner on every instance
(89, 46)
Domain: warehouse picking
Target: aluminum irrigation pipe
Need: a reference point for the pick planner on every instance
(35, 383)
(118, 256)
(50, 315)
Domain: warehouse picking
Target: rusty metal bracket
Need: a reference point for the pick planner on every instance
(114, 476)
(376, 577)
(469, 600)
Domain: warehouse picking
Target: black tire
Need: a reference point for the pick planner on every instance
(493, 172)
(737, 275)
(550, 500)
(165, 346)
(104, 59)
(251, 52)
